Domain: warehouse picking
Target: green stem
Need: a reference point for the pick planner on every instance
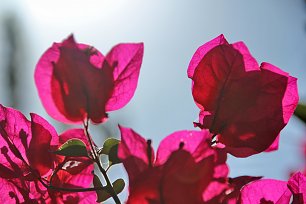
(98, 162)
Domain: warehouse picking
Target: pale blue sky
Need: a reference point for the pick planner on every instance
(274, 31)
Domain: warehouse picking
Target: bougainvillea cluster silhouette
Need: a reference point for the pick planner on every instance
(243, 107)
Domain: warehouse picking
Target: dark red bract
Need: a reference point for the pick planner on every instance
(244, 104)
(76, 82)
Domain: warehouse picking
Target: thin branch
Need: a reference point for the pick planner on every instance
(98, 162)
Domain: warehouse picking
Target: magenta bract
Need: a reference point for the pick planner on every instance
(25, 154)
(244, 104)
(275, 191)
(187, 169)
(76, 82)
(26, 159)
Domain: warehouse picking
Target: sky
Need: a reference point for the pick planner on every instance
(274, 31)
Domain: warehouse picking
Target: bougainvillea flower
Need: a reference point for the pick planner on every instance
(186, 170)
(76, 82)
(275, 191)
(232, 193)
(245, 105)
(26, 160)
(25, 154)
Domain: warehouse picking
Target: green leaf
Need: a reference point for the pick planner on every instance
(300, 112)
(113, 155)
(118, 185)
(103, 195)
(72, 148)
(97, 183)
(108, 144)
(110, 148)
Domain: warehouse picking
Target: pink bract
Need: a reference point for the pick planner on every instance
(25, 154)
(26, 159)
(76, 82)
(244, 104)
(275, 191)
(187, 169)
(232, 193)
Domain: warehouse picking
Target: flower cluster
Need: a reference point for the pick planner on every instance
(28, 164)
(76, 82)
(243, 107)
